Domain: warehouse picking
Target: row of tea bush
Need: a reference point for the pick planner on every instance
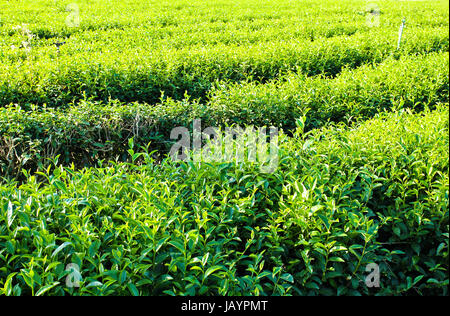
(340, 199)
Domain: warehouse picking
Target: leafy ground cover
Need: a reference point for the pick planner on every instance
(341, 198)
(90, 92)
(139, 58)
(89, 131)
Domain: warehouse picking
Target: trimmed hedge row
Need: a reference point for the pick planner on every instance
(202, 22)
(85, 133)
(141, 75)
(411, 81)
(340, 199)
(89, 131)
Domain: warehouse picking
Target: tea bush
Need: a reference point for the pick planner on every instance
(90, 91)
(138, 77)
(301, 18)
(89, 131)
(137, 57)
(353, 94)
(376, 194)
(341, 198)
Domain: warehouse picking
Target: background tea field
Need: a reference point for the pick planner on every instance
(90, 90)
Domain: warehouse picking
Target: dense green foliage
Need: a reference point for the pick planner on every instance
(88, 131)
(134, 77)
(131, 62)
(341, 198)
(89, 94)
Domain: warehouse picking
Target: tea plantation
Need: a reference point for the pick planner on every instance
(91, 203)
